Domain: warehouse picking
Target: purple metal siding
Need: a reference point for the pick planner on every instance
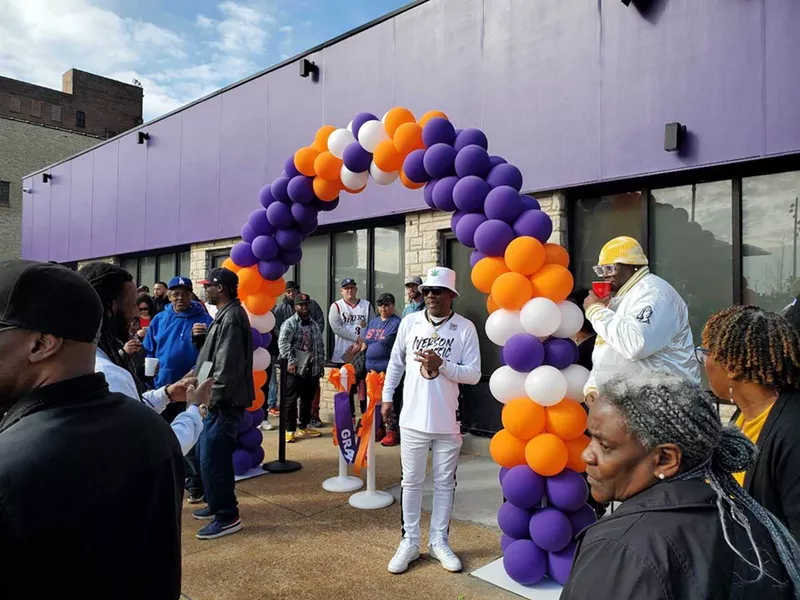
(59, 209)
(782, 19)
(27, 219)
(80, 208)
(104, 200)
(40, 240)
(162, 201)
(131, 194)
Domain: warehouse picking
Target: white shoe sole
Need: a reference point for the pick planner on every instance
(444, 566)
(208, 518)
(223, 533)
(403, 569)
(196, 500)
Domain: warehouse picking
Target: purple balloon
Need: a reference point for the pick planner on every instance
(242, 461)
(550, 529)
(427, 193)
(443, 193)
(304, 213)
(530, 203)
(301, 189)
(358, 121)
(534, 223)
(289, 168)
(246, 422)
(414, 166)
(525, 562)
(259, 224)
(505, 174)
(291, 256)
(438, 131)
(266, 339)
(506, 541)
(356, 158)
(280, 191)
(474, 257)
(514, 521)
(271, 269)
(454, 219)
(265, 196)
(256, 334)
(242, 255)
(492, 237)
(495, 160)
(327, 206)
(470, 194)
(472, 160)
(247, 233)
(307, 228)
(439, 160)
(523, 352)
(567, 491)
(471, 136)
(559, 564)
(503, 203)
(265, 247)
(502, 474)
(560, 353)
(581, 518)
(522, 487)
(258, 456)
(250, 439)
(258, 416)
(280, 215)
(467, 227)
(288, 239)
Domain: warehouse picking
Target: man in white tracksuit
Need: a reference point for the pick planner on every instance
(438, 350)
(644, 327)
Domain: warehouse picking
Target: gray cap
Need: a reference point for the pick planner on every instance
(415, 280)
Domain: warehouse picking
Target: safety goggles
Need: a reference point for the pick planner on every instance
(605, 270)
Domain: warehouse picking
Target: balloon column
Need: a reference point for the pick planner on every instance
(249, 453)
(527, 281)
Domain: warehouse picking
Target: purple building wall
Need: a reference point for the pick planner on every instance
(572, 92)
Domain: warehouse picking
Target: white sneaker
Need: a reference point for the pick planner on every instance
(442, 552)
(405, 555)
(266, 425)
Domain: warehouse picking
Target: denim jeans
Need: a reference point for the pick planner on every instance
(272, 394)
(214, 452)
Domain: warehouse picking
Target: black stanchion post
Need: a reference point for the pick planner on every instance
(282, 465)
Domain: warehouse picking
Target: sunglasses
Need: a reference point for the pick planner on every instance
(144, 309)
(701, 354)
(605, 270)
(433, 291)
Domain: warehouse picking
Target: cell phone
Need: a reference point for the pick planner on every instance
(204, 372)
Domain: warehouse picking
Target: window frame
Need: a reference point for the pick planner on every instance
(5, 193)
(176, 251)
(80, 119)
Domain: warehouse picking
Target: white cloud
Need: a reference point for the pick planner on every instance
(244, 29)
(203, 22)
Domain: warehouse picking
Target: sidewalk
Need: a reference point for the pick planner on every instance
(301, 542)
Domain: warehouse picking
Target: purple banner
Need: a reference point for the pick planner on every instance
(345, 433)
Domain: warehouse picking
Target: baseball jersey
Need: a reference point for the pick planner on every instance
(348, 324)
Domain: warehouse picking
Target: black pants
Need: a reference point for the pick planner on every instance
(302, 390)
(362, 404)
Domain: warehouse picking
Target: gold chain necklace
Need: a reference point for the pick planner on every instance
(437, 326)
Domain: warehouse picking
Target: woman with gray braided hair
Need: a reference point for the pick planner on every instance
(685, 529)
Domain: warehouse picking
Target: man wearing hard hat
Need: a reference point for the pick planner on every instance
(644, 326)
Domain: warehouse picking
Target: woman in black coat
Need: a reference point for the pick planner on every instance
(686, 530)
(752, 358)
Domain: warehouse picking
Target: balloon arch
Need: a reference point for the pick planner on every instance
(526, 279)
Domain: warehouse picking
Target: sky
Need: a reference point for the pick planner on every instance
(179, 50)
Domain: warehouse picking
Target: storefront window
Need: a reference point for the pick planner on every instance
(350, 260)
(147, 271)
(185, 263)
(770, 270)
(131, 265)
(166, 267)
(389, 264)
(314, 279)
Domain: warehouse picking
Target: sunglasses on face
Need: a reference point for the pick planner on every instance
(432, 291)
(701, 354)
(144, 309)
(605, 270)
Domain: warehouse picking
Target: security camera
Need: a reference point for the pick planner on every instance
(27, 191)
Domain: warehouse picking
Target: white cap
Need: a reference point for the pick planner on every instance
(440, 277)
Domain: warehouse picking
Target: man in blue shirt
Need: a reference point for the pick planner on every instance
(415, 300)
(379, 339)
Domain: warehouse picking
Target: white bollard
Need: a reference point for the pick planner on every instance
(371, 499)
(342, 482)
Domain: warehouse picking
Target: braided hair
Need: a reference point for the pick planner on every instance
(661, 409)
(108, 281)
(755, 346)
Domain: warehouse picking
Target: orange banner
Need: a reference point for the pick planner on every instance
(374, 392)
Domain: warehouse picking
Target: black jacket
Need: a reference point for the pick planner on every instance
(91, 486)
(774, 481)
(229, 346)
(667, 543)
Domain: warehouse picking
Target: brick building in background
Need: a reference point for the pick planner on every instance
(40, 126)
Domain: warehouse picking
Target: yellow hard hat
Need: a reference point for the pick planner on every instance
(622, 251)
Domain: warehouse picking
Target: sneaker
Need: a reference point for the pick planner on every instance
(308, 432)
(217, 529)
(317, 423)
(391, 439)
(442, 552)
(380, 434)
(266, 425)
(196, 497)
(274, 412)
(203, 514)
(290, 437)
(405, 555)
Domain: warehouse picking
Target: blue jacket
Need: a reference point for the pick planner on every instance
(379, 339)
(169, 339)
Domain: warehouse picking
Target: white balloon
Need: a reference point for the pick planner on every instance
(502, 324)
(382, 177)
(546, 385)
(571, 320)
(264, 323)
(576, 377)
(506, 384)
(261, 359)
(540, 317)
(383, 118)
(339, 140)
(353, 181)
(371, 134)
(350, 126)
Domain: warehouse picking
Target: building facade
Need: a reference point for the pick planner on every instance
(578, 95)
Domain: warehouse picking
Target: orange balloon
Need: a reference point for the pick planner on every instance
(525, 255)
(407, 138)
(407, 182)
(326, 190)
(552, 281)
(258, 402)
(231, 266)
(486, 271)
(506, 450)
(556, 255)
(327, 166)
(546, 454)
(259, 379)
(574, 450)
(491, 305)
(259, 304)
(386, 157)
(511, 291)
(431, 114)
(321, 138)
(567, 419)
(304, 160)
(250, 281)
(523, 418)
(395, 118)
(275, 288)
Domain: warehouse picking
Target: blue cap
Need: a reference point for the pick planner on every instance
(348, 282)
(180, 282)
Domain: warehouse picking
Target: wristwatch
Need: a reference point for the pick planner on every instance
(203, 410)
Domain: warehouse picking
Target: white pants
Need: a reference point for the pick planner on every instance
(414, 447)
